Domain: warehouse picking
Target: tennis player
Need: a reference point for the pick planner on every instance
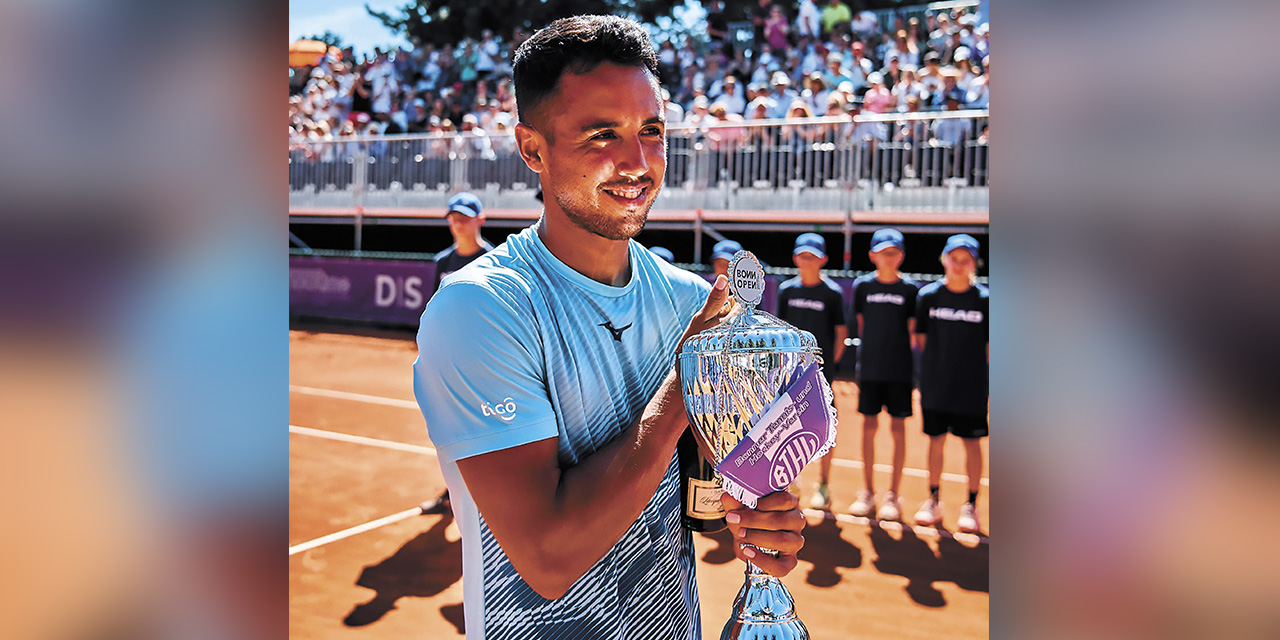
(546, 371)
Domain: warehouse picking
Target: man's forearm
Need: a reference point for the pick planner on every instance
(567, 520)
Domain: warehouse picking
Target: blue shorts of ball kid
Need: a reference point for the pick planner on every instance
(893, 396)
(937, 423)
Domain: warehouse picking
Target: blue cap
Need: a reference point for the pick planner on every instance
(466, 204)
(811, 243)
(725, 249)
(885, 238)
(664, 253)
(961, 241)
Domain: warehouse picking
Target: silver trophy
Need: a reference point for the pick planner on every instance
(729, 375)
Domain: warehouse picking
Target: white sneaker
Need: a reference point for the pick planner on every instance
(821, 499)
(864, 505)
(891, 509)
(930, 513)
(968, 521)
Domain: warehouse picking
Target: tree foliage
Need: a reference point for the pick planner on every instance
(328, 37)
(441, 21)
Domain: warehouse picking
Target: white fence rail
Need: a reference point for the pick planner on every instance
(927, 161)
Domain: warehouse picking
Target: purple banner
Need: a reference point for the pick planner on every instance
(389, 291)
(788, 436)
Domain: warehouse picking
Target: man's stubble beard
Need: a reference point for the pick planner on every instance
(588, 219)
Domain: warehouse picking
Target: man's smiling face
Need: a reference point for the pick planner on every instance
(605, 152)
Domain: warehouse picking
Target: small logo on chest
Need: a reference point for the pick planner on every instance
(616, 333)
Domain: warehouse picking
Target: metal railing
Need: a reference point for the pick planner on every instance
(926, 161)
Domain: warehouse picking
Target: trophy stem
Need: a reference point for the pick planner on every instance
(763, 610)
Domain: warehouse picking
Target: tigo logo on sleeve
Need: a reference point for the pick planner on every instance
(505, 410)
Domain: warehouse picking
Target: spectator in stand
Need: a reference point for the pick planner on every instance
(475, 143)
(687, 56)
(783, 95)
(813, 56)
(809, 20)
(468, 61)
(877, 99)
(385, 84)
(864, 24)
(487, 56)
(865, 132)
(668, 63)
(739, 66)
(964, 71)
(777, 29)
(941, 36)
(881, 51)
(857, 64)
(914, 33)
(931, 77)
(979, 90)
(759, 16)
(835, 73)
(419, 121)
(764, 60)
(718, 27)
(981, 43)
(906, 88)
(503, 139)
(815, 93)
(730, 93)
(949, 89)
(953, 131)
(892, 71)
(835, 109)
(954, 44)
(699, 115)
(903, 50)
(674, 112)
(834, 14)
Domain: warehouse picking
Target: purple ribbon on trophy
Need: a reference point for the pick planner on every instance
(795, 429)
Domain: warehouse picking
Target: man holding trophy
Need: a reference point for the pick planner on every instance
(547, 372)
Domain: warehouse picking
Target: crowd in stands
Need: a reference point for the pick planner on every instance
(803, 61)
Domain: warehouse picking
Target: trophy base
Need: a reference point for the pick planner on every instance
(763, 610)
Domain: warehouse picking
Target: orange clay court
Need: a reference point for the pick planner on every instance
(360, 462)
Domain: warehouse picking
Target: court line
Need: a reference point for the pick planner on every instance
(406, 404)
(347, 395)
(358, 529)
(889, 525)
(907, 471)
(373, 442)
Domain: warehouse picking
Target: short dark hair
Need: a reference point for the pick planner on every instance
(577, 44)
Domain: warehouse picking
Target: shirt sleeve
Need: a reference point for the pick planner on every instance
(837, 307)
(479, 378)
(783, 308)
(923, 300)
(857, 298)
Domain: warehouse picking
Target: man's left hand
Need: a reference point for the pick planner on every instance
(774, 524)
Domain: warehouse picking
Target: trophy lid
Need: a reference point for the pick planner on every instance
(748, 329)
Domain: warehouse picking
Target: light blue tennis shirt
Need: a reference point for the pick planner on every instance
(518, 347)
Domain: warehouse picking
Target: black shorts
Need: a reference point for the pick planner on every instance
(894, 396)
(938, 423)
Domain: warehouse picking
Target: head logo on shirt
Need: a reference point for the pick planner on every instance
(505, 410)
(956, 315)
(617, 333)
